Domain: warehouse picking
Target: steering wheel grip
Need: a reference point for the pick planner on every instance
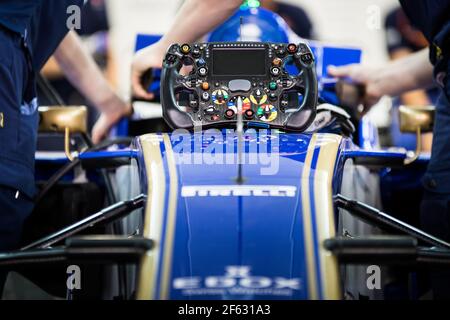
(302, 119)
(146, 80)
(174, 117)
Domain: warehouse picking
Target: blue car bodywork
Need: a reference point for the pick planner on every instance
(259, 240)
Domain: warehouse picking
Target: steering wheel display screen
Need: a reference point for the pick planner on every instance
(239, 62)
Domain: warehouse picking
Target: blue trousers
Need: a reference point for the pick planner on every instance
(17, 141)
(15, 207)
(435, 208)
(18, 132)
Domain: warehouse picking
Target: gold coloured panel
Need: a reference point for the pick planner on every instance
(58, 119)
(414, 118)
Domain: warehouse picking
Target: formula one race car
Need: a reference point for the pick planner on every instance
(242, 200)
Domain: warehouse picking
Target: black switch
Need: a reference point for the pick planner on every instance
(281, 52)
(171, 58)
(284, 103)
(194, 105)
(205, 96)
(210, 111)
(193, 102)
(303, 48)
(307, 58)
(203, 71)
(196, 53)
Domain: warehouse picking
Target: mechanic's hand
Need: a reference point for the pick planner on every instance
(145, 59)
(108, 119)
(360, 75)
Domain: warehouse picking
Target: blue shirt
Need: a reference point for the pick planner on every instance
(432, 17)
(16, 15)
(42, 22)
(36, 27)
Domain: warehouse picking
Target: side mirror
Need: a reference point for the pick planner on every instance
(416, 120)
(65, 120)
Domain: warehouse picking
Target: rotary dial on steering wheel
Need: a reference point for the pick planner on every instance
(258, 97)
(267, 113)
(220, 96)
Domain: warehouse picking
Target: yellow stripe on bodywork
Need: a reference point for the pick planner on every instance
(153, 218)
(323, 191)
(171, 219)
(307, 221)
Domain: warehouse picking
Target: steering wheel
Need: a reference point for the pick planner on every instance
(224, 72)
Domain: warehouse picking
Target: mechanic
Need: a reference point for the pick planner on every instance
(432, 17)
(194, 19)
(30, 31)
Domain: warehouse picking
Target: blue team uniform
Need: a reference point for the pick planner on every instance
(30, 31)
(432, 17)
